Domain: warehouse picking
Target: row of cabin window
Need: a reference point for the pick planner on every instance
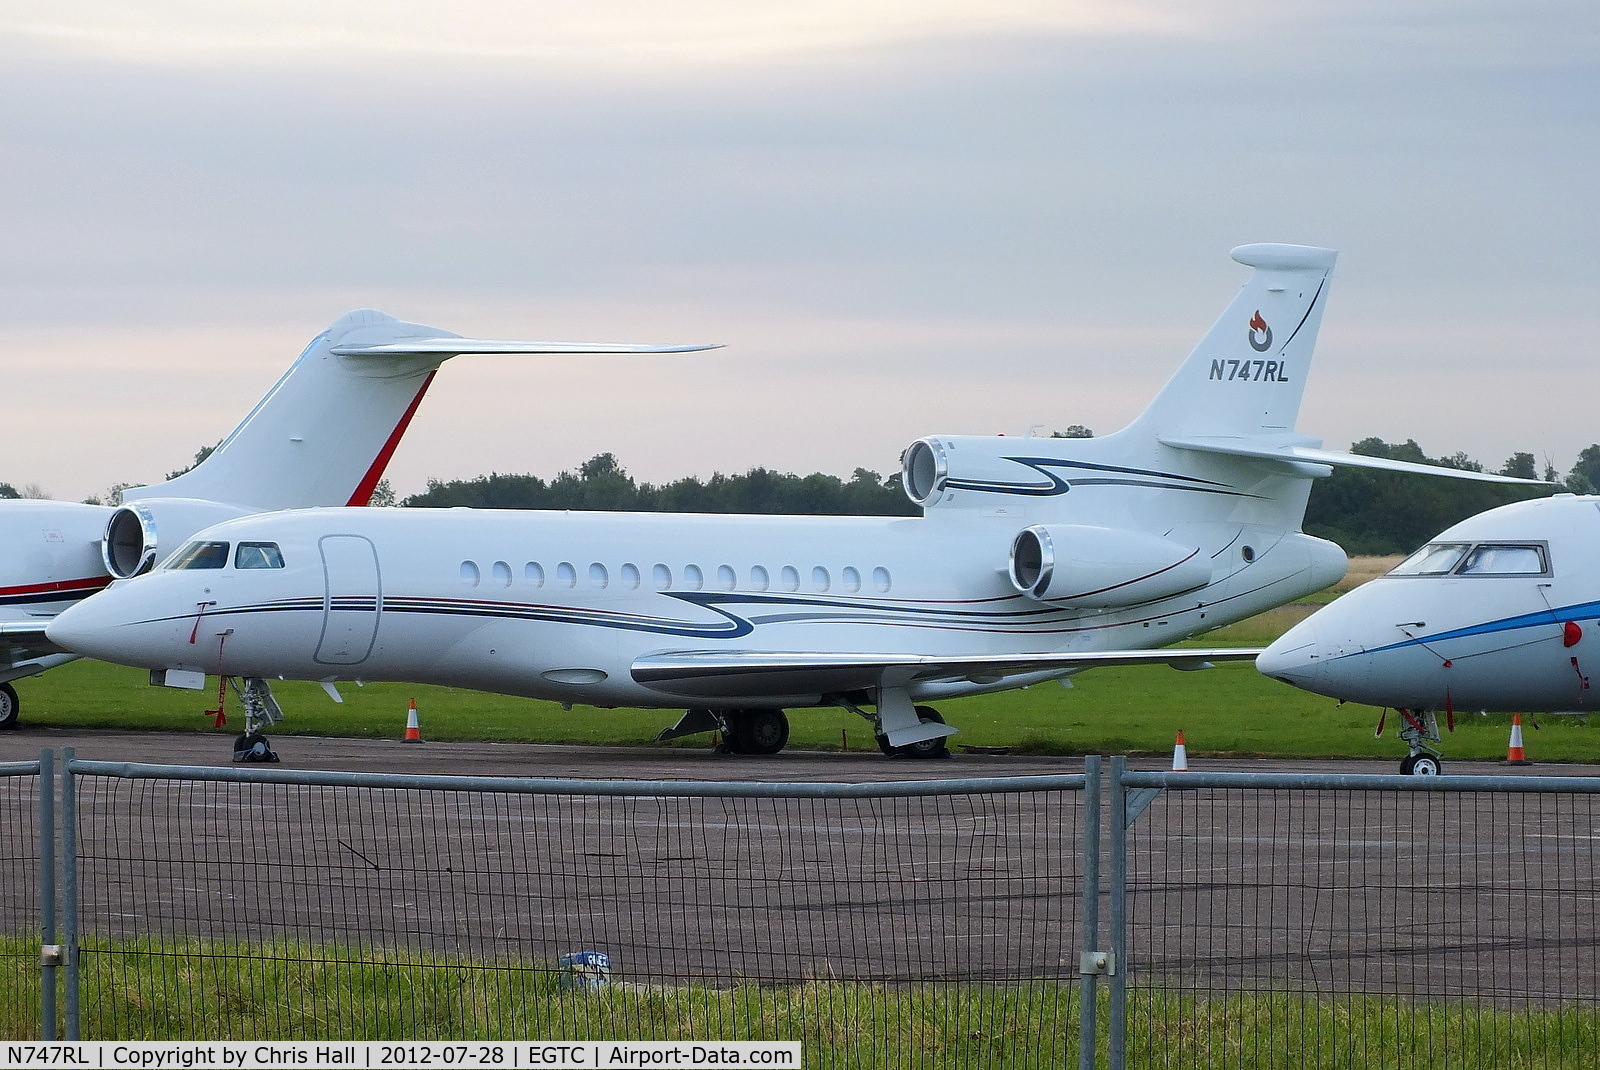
(693, 578)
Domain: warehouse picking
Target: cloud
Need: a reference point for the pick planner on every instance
(902, 218)
(682, 32)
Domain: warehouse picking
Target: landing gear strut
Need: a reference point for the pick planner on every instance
(1418, 730)
(744, 731)
(893, 714)
(260, 710)
(927, 748)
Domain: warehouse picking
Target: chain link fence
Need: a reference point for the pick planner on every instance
(878, 921)
(1361, 920)
(1243, 920)
(22, 921)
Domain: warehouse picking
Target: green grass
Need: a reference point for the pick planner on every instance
(176, 989)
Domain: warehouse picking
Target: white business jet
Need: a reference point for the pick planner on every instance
(321, 436)
(1499, 613)
(1034, 559)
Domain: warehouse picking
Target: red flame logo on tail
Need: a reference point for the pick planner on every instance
(1260, 333)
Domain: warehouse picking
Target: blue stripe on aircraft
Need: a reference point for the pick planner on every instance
(1506, 624)
(1060, 485)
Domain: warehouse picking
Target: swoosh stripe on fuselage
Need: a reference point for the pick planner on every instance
(58, 591)
(1558, 617)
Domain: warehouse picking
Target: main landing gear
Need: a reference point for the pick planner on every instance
(743, 731)
(10, 707)
(1419, 729)
(758, 731)
(920, 730)
(927, 748)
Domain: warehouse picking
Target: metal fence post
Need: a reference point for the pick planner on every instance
(1117, 1027)
(48, 951)
(69, 894)
(1089, 1003)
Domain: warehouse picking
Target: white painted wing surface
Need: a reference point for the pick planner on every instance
(750, 673)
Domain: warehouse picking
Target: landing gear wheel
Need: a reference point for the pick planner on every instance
(763, 731)
(1421, 765)
(756, 731)
(253, 747)
(10, 707)
(927, 748)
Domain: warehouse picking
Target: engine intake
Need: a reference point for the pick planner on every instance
(1091, 567)
(925, 471)
(129, 545)
(139, 533)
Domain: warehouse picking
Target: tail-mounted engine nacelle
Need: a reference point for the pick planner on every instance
(935, 470)
(1075, 565)
(139, 533)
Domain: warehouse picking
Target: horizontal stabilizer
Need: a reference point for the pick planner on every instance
(1291, 453)
(455, 347)
(747, 673)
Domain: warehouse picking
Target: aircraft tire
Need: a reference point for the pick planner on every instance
(10, 707)
(759, 731)
(1425, 765)
(253, 748)
(927, 748)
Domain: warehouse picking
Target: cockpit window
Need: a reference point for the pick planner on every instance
(1434, 559)
(258, 555)
(201, 554)
(1504, 559)
(1481, 559)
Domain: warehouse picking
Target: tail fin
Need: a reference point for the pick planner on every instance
(324, 434)
(1248, 374)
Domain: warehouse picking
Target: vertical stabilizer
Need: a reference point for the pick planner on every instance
(323, 434)
(1248, 374)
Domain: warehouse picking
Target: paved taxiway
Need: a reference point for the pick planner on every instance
(641, 763)
(1379, 891)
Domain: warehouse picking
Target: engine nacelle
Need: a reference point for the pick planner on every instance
(140, 533)
(935, 469)
(1096, 568)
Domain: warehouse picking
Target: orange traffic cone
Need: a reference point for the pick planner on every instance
(413, 726)
(1514, 755)
(1180, 755)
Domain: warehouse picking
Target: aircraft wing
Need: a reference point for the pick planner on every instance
(27, 636)
(1295, 452)
(452, 346)
(24, 650)
(742, 673)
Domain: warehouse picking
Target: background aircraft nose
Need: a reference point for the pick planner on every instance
(85, 628)
(1294, 656)
(67, 630)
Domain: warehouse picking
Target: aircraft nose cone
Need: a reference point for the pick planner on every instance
(97, 627)
(1326, 653)
(1294, 658)
(76, 629)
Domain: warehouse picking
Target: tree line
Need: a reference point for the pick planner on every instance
(1363, 510)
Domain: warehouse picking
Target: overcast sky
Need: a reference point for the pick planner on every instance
(902, 217)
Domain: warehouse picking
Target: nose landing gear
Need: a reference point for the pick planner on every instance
(1418, 730)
